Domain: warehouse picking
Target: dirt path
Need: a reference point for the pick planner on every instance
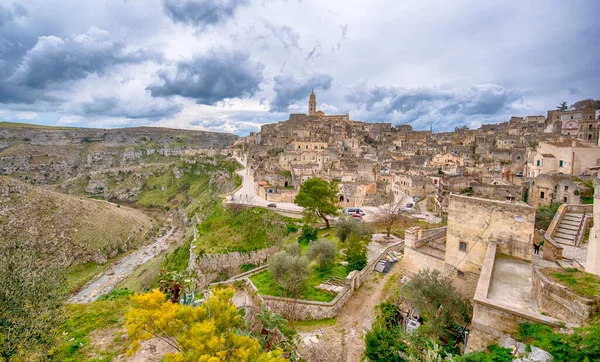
(121, 269)
(344, 341)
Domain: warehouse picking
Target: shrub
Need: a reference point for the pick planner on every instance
(323, 252)
(356, 254)
(309, 234)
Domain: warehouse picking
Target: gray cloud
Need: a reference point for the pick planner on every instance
(54, 60)
(9, 14)
(212, 77)
(424, 106)
(289, 88)
(114, 106)
(202, 13)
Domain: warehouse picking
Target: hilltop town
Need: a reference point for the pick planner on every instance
(500, 224)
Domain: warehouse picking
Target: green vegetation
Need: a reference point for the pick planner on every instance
(544, 215)
(31, 293)
(443, 310)
(265, 284)
(584, 284)
(493, 354)
(250, 229)
(313, 324)
(84, 324)
(581, 345)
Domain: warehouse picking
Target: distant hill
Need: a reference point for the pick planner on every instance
(70, 229)
(49, 155)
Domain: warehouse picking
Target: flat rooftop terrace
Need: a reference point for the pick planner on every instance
(511, 284)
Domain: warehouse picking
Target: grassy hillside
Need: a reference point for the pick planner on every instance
(72, 230)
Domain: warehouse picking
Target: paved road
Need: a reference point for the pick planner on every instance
(120, 270)
(246, 195)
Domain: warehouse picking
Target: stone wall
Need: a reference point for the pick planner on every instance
(557, 301)
(478, 222)
(415, 261)
(210, 267)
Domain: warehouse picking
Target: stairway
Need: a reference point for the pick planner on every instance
(567, 230)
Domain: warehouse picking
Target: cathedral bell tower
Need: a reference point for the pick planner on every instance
(312, 104)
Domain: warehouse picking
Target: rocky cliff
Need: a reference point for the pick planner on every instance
(49, 155)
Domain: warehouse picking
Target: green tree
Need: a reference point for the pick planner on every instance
(290, 272)
(319, 199)
(32, 290)
(562, 107)
(356, 254)
(348, 225)
(438, 302)
(323, 252)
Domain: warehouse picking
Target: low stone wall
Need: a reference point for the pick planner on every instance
(308, 309)
(557, 301)
(210, 267)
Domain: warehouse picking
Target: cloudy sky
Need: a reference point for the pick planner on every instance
(232, 65)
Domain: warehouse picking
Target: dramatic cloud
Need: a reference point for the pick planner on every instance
(424, 106)
(212, 77)
(202, 13)
(289, 88)
(153, 62)
(54, 60)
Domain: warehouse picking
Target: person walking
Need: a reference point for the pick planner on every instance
(536, 248)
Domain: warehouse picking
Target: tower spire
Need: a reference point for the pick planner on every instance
(312, 104)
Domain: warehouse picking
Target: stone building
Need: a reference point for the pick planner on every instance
(567, 156)
(473, 224)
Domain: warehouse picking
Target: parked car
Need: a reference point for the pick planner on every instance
(519, 174)
(273, 205)
(354, 210)
(356, 217)
(410, 205)
(416, 198)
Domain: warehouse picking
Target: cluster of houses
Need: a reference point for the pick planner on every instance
(536, 159)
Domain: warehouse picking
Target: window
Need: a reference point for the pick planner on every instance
(462, 246)
(307, 147)
(542, 195)
(539, 162)
(518, 157)
(460, 274)
(565, 199)
(298, 146)
(566, 188)
(560, 163)
(316, 147)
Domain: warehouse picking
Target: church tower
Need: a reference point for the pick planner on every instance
(312, 104)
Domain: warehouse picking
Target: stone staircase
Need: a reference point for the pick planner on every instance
(568, 229)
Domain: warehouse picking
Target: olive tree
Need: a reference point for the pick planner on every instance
(323, 252)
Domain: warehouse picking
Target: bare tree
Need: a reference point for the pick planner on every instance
(388, 215)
